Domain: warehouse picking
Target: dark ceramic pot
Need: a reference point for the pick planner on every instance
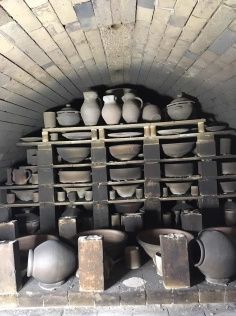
(28, 223)
(51, 263)
(217, 255)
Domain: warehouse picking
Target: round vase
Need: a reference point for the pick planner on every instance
(180, 108)
(68, 116)
(90, 109)
(51, 263)
(151, 113)
(111, 111)
(131, 108)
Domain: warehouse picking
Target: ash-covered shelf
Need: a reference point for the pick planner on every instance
(125, 182)
(25, 186)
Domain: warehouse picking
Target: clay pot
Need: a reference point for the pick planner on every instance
(120, 174)
(128, 207)
(28, 223)
(177, 150)
(150, 239)
(73, 176)
(125, 151)
(178, 188)
(49, 119)
(51, 263)
(111, 111)
(21, 176)
(114, 240)
(228, 187)
(68, 116)
(24, 195)
(228, 168)
(178, 169)
(73, 154)
(90, 109)
(151, 113)
(125, 191)
(216, 257)
(131, 108)
(180, 108)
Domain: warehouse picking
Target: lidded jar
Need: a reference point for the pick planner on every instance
(68, 116)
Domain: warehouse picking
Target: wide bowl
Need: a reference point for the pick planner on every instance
(125, 191)
(178, 169)
(77, 135)
(228, 187)
(228, 168)
(114, 240)
(73, 154)
(80, 191)
(176, 150)
(125, 173)
(128, 207)
(178, 188)
(24, 195)
(149, 239)
(125, 151)
(73, 176)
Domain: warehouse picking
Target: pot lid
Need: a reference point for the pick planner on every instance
(180, 99)
(67, 109)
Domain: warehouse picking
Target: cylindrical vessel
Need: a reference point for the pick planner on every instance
(61, 196)
(34, 178)
(115, 220)
(11, 198)
(132, 257)
(72, 195)
(88, 195)
(54, 136)
(165, 192)
(49, 119)
(225, 146)
(139, 193)
(35, 197)
(112, 195)
(194, 190)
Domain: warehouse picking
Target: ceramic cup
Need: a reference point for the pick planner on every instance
(11, 198)
(88, 195)
(49, 119)
(54, 136)
(61, 196)
(165, 192)
(115, 220)
(35, 197)
(132, 257)
(34, 178)
(72, 195)
(139, 193)
(194, 190)
(112, 194)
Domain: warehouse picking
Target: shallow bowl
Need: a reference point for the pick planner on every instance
(73, 154)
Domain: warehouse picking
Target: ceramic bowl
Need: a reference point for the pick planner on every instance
(128, 207)
(125, 151)
(125, 191)
(178, 188)
(125, 173)
(150, 239)
(80, 191)
(72, 176)
(77, 135)
(73, 154)
(176, 150)
(178, 169)
(228, 187)
(228, 168)
(24, 195)
(114, 240)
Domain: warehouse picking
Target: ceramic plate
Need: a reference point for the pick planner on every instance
(124, 134)
(31, 139)
(77, 135)
(215, 128)
(173, 131)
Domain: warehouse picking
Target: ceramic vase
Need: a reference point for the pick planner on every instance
(151, 113)
(51, 263)
(90, 109)
(111, 111)
(131, 108)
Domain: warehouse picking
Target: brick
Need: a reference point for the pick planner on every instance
(85, 15)
(5, 214)
(4, 17)
(101, 216)
(211, 293)
(102, 10)
(91, 270)
(205, 8)
(223, 42)
(128, 11)
(9, 230)
(64, 11)
(145, 10)
(67, 227)
(192, 28)
(10, 272)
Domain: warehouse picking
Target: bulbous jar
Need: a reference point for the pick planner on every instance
(151, 113)
(68, 116)
(217, 255)
(180, 108)
(51, 263)
(111, 111)
(90, 109)
(131, 109)
(28, 222)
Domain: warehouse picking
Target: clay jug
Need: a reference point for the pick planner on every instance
(216, 257)
(111, 112)
(21, 176)
(151, 113)
(90, 109)
(131, 108)
(51, 263)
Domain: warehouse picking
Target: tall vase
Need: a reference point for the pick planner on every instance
(111, 111)
(90, 109)
(131, 108)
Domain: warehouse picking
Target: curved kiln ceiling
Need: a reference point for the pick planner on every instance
(52, 50)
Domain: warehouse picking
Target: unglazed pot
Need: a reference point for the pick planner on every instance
(21, 176)
(68, 116)
(111, 111)
(180, 108)
(151, 113)
(178, 188)
(125, 191)
(125, 151)
(177, 150)
(24, 195)
(51, 263)
(90, 109)
(28, 222)
(217, 256)
(131, 108)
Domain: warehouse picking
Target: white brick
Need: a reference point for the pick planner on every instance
(192, 28)
(102, 10)
(64, 11)
(205, 8)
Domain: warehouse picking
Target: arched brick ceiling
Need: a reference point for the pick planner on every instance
(52, 50)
